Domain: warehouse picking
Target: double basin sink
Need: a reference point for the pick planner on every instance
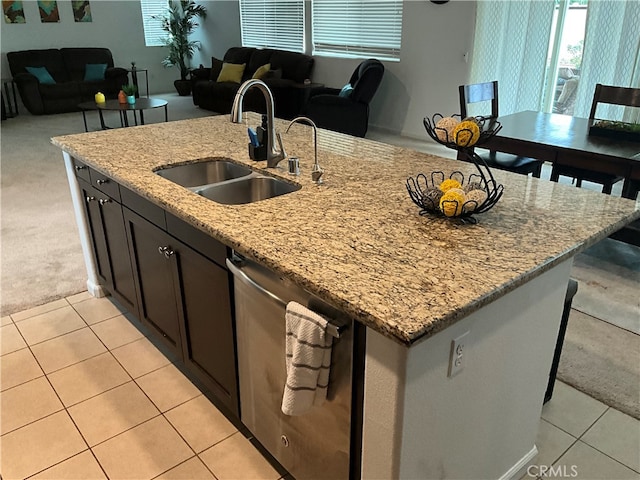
(226, 182)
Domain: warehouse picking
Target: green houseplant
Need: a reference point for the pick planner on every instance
(130, 91)
(179, 22)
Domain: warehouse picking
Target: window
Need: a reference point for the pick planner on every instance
(273, 24)
(152, 13)
(357, 28)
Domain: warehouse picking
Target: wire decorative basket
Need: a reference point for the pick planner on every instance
(464, 138)
(475, 194)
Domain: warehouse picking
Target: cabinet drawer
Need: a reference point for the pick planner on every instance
(143, 207)
(82, 171)
(197, 239)
(105, 184)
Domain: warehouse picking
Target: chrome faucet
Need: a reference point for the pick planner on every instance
(316, 171)
(274, 156)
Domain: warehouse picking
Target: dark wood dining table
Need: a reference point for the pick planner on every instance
(565, 140)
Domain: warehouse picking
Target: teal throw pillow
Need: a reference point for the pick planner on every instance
(42, 74)
(346, 91)
(94, 72)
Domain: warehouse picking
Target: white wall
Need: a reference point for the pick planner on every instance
(425, 81)
(218, 32)
(435, 39)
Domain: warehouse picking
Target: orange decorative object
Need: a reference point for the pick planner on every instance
(122, 98)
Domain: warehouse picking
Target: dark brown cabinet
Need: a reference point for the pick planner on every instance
(186, 298)
(109, 242)
(170, 275)
(154, 267)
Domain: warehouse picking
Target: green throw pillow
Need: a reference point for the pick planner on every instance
(42, 74)
(231, 72)
(261, 71)
(94, 72)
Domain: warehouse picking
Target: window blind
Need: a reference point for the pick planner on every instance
(153, 33)
(272, 24)
(357, 28)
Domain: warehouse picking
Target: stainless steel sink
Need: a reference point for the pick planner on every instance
(247, 190)
(198, 174)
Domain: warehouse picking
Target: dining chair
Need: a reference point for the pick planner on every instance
(629, 97)
(488, 92)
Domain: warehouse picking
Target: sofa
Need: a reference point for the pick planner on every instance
(283, 72)
(75, 76)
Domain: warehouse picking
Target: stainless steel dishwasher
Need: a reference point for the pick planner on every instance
(311, 446)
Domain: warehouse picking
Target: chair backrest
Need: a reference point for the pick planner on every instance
(479, 92)
(50, 58)
(628, 97)
(366, 79)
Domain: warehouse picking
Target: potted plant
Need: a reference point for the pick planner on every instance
(130, 91)
(179, 22)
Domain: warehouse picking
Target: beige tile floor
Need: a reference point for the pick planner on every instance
(86, 396)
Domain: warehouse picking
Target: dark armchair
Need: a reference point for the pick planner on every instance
(347, 110)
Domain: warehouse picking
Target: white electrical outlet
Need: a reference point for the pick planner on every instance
(458, 354)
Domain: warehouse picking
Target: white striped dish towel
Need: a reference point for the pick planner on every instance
(308, 359)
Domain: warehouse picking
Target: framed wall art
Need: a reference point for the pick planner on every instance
(48, 11)
(13, 11)
(81, 10)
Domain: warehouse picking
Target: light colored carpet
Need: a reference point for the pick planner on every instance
(603, 361)
(40, 256)
(601, 353)
(609, 278)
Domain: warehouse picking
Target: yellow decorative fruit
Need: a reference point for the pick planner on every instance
(451, 203)
(448, 184)
(466, 133)
(444, 129)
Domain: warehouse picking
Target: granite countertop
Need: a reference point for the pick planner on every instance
(357, 241)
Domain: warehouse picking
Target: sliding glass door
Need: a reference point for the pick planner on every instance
(549, 56)
(564, 58)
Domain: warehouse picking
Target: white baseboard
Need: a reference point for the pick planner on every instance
(520, 468)
(96, 290)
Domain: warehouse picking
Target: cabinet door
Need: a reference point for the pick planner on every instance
(154, 267)
(98, 240)
(109, 239)
(209, 344)
(122, 283)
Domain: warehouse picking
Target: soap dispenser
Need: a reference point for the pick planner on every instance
(259, 152)
(263, 138)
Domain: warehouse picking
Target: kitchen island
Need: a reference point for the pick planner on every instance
(416, 283)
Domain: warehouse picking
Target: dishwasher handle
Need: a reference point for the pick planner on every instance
(332, 329)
